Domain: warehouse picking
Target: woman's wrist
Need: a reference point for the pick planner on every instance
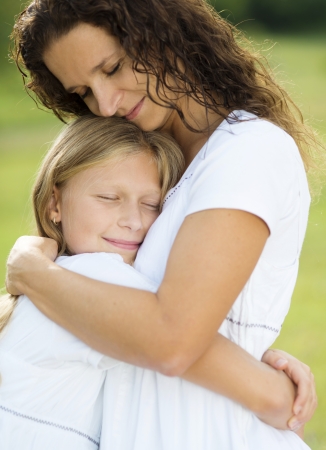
(29, 260)
(300, 374)
(275, 407)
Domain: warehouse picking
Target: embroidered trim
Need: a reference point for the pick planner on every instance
(252, 325)
(177, 187)
(52, 424)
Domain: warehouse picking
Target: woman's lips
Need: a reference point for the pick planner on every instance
(125, 245)
(135, 111)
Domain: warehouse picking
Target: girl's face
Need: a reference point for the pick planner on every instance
(109, 207)
(90, 62)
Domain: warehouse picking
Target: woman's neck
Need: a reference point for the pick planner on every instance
(198, 117)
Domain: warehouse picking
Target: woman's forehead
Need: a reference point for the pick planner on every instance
(84, 50)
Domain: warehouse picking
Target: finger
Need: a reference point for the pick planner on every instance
(306, 399)
(294, 424)
(275, 359)
(11, 288)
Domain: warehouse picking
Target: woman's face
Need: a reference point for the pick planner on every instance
(90, 62)
(110, 207)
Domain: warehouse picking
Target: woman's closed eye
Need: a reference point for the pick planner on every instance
(114, 70)
(88, 91)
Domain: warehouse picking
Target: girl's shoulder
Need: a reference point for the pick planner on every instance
(106, 267)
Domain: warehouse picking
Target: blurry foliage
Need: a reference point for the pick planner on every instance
(8, 10)
(276, 15)
(290, 15)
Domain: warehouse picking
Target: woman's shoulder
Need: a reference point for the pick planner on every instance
(252, 165)
(244, 133)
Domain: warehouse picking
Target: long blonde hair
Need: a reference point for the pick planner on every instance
(85, 143)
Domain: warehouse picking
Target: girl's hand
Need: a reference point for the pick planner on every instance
(25, 256)
(306, 400)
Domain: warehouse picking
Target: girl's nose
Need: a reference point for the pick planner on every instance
(131, 218)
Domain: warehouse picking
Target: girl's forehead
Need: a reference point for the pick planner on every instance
(138, 171)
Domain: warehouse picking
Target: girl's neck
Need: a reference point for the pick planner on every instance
(198, 117)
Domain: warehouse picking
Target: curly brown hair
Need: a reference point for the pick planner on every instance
(185, 41)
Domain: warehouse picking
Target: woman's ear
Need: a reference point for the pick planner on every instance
(55, 206)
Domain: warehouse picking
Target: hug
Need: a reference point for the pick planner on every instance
(171, 216)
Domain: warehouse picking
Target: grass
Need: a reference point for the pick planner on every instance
(301, 62)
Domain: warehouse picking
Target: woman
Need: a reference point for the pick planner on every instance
(175, 66)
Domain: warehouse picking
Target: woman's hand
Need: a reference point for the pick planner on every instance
(306, 398)
(25, 256)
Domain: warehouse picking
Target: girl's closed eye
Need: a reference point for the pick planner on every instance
(108, 197)
(153, 206)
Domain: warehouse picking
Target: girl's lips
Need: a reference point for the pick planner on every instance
(135, 111)
(125, 245)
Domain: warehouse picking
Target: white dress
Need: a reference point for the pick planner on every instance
(253, 166)
(51, 390)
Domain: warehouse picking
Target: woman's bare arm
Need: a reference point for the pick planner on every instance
(170, 331)
(228, 370)
(213, 256)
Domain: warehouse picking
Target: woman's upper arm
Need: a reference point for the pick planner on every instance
(211, 259)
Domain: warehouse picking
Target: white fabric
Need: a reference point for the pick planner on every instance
(253, 166)
(51, 390)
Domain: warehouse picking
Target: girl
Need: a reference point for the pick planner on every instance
(97, 193)
(225, 248)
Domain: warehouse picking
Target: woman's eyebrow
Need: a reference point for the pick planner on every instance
(99, 66)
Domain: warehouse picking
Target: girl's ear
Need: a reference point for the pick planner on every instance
(55, 206)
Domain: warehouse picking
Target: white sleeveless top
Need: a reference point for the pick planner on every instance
(252, 166)
(51, 390)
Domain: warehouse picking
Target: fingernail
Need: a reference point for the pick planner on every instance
(294, 426)
(280, 362)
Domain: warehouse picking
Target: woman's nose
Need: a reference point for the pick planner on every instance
(108, 100)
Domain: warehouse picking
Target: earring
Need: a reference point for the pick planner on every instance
(54, 221)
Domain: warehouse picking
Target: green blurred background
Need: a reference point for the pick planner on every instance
(291, 35)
